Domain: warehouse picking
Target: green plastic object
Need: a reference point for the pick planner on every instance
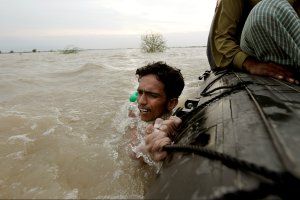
(133, 97)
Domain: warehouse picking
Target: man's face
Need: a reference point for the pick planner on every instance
(152, 99)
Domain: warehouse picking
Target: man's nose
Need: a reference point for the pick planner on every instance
(142, 99)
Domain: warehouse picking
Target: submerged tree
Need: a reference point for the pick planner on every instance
(70, 49)
(153, 42)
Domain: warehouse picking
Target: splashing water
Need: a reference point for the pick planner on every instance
(63, 122)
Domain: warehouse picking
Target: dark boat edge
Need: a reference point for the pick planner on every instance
(250, 121)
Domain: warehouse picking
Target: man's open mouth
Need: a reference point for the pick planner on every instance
(144, 110)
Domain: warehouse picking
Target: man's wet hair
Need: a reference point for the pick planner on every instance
(171, 77)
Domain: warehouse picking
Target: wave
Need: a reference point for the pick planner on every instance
(23, 138)
(89, 67)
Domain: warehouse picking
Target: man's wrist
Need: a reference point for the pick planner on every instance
(248, 63)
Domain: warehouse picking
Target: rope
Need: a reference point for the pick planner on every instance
(215, 80)
(234, 87)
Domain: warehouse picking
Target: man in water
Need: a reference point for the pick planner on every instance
(159, 89)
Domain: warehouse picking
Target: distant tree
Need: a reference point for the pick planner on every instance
(0, 52)
(11, 51)
(153, 42)
(34, 50)
(70, 49)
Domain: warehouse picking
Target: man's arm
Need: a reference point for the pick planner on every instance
(256, 67)
(225, 34)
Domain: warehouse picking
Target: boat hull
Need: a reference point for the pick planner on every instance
(250, 118)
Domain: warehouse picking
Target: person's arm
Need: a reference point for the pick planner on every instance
(256, 67)
(160, 135)
(225, 34)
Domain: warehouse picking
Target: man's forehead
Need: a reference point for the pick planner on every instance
(150, 90)
(151, 84)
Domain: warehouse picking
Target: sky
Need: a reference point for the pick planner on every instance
(101, 24)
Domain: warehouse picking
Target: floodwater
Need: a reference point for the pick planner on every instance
(63, 119)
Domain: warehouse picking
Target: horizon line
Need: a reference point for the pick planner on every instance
(82, 49)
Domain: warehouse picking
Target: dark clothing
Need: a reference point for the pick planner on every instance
(224, 41)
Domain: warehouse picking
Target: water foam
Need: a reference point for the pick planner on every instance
(21, 137)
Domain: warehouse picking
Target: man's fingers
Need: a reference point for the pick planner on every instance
(159, 156)
(280, 72)
(149, 139)
(287, 78)
(170, 126)
(176, 120)
(155, 143)
(158, 144)
(291, 80)
(149, 129)
(156, 152)
(158, 122)
(156, 135)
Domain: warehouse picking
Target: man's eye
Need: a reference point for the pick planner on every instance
(153, 95)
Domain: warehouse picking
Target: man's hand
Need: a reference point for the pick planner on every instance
(160, 135)
(269, 69)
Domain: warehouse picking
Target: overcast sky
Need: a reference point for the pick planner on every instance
(55, 24)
